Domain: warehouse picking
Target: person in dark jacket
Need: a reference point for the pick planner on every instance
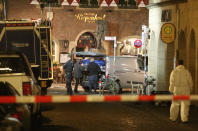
(93, 71)
(68, 67)
(77, 74)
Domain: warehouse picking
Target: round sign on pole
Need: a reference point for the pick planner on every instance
(168, 33)
(138, 43)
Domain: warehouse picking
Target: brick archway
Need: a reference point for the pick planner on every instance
(85, 39)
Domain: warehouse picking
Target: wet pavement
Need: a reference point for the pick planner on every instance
(114, 116)
(59, 89)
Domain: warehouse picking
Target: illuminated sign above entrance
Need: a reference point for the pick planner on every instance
(89, 17)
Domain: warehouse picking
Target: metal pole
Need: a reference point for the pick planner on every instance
(144, 43)
(4, 9)
(114, 54)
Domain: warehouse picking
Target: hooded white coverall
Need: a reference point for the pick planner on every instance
(180, 84)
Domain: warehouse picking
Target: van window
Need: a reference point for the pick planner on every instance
(140, 62)
(12, 65)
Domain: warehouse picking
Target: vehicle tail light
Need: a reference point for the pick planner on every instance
(107, 76)
(18, 115)
(27, 88)
(100, 84)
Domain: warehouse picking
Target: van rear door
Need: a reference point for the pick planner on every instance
(126, 69)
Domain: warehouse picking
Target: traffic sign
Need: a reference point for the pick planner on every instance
(110, 38)
(138, 43)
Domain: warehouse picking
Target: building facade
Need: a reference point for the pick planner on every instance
(163, 56)
(70, 23)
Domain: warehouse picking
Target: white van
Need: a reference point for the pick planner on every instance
(125, 70)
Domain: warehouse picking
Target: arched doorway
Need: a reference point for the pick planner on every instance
(182, 46)
(192, 55)
(87, 39)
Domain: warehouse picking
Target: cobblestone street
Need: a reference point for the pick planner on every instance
(116, 116)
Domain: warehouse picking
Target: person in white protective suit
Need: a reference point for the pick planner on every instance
(180, 84)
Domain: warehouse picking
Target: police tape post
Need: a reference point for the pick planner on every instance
(93, 98)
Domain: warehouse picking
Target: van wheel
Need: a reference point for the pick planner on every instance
(114, 88)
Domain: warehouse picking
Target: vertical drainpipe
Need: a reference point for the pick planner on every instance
(5, 18)
(177, 36)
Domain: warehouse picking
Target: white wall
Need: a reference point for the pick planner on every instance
(159, 64)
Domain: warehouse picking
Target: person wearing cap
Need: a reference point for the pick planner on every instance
(68, 68)
(180, 84)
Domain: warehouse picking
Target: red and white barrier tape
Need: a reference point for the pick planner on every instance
(92, 98)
